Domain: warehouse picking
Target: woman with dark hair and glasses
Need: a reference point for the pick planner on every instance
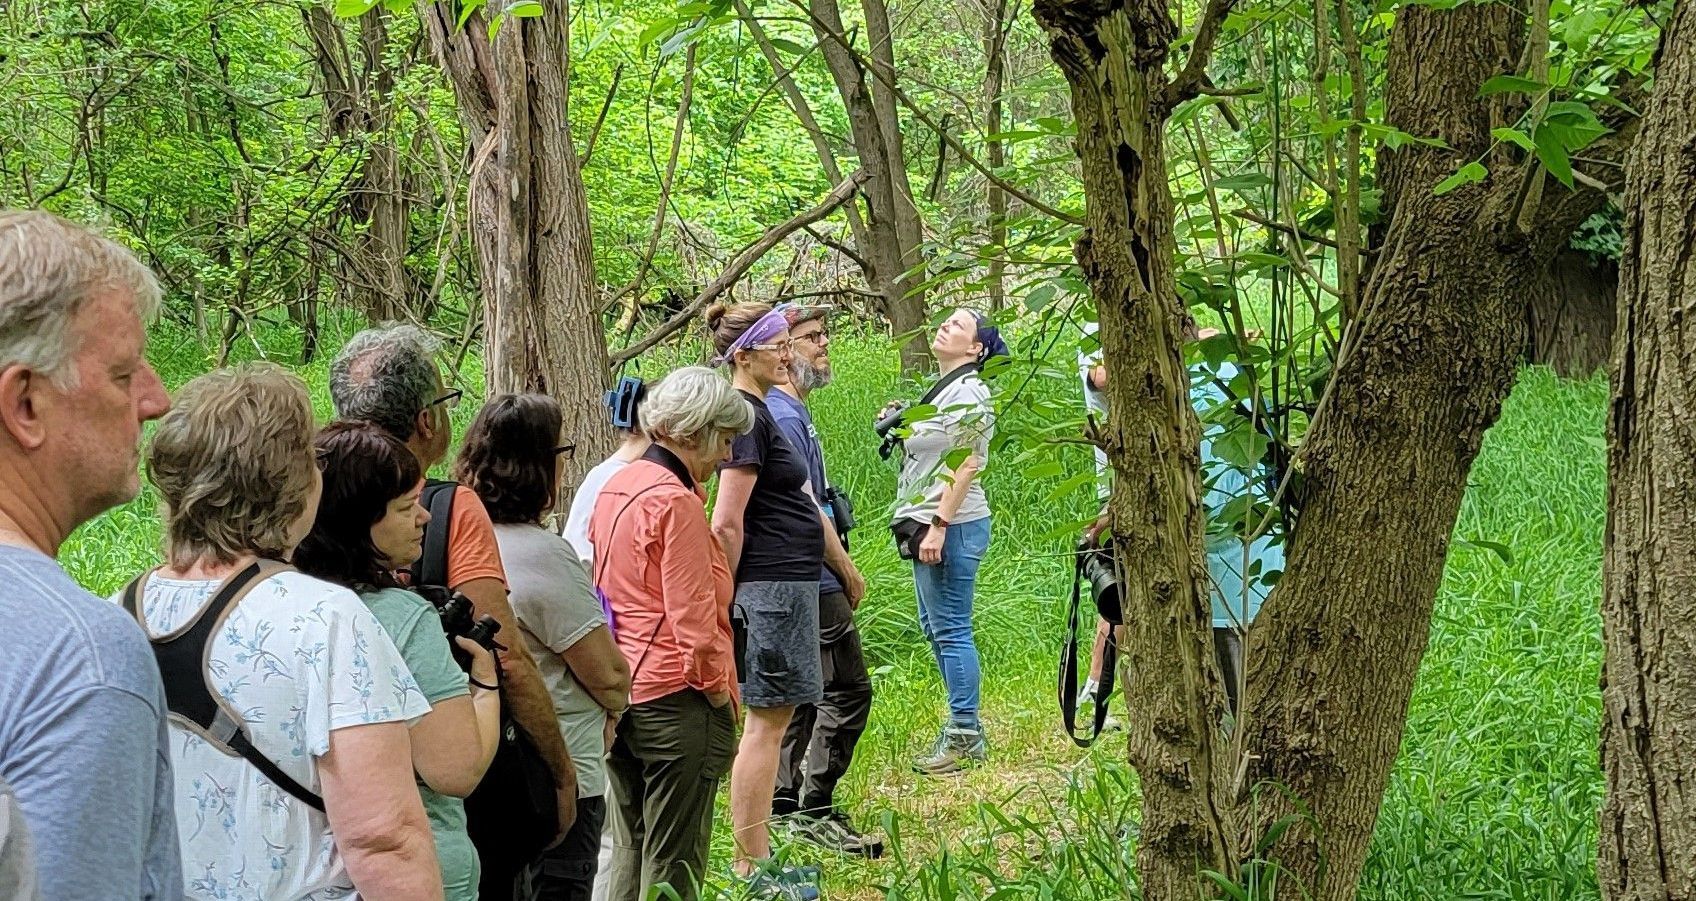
(370, 524)
(512, 459)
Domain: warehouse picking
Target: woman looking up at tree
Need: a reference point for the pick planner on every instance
(943, 515)
(769, 526)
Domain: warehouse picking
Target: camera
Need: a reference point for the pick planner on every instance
(1100, 570)
(885, 428)
(456, 614)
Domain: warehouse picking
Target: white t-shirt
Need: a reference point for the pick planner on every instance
(556, 607)
(583, 506)
(964, 418)
(297, 658)
(1096, 402)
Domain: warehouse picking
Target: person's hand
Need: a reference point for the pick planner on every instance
(888, 408)
(854, 586)
(565, 797)
(718, 698)
(482, 660)
(930, 550)
(1092, 535)
(609, 731)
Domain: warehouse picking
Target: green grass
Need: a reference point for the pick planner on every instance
(1496, 791)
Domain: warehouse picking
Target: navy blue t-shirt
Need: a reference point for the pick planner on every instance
(782, 538)
(793, 418)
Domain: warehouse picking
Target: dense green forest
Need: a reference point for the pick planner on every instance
(1391, 212)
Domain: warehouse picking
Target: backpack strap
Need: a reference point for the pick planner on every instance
(432, 565)
(184, 656)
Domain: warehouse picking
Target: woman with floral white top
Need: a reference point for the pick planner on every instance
(320, 690)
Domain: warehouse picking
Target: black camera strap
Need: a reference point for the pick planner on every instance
(1069, 668)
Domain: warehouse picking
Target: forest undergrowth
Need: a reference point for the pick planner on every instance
(1496, 791)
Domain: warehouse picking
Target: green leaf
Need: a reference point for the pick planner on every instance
(1243, 182)
(1551, 152)
(353, 9)
(1504, 84)
(1046, 470)
(1501, 550)
(1242, 447)
(1041, 296)
(788, 46)
(1515, 137)
(1466, 175)
(525, 9)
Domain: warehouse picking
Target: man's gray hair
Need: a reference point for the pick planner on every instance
(690, 404)
(386, 376)
(49, 270)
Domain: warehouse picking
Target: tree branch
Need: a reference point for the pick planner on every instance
(678, 126)
(739, 267)
(1193, 77)
(601, 118)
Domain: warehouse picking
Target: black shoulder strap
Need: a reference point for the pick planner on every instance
(1069, 669)
(183, 656)
(958, 373)
(432, 565)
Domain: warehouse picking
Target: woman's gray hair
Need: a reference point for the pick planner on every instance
(690, 404)
(386, 376)
(49, 270)
(234, 464)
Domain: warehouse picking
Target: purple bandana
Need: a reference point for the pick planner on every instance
(764, 329)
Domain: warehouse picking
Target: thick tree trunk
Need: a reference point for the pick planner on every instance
(1333, 655)
(995, 70)
(1570, 317)
(530, 216)
(893, 232)
(1113, 57)
(1648, 823)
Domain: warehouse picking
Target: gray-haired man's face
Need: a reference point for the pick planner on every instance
(810, 367)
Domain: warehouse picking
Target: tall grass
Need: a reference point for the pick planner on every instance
(1496, 791)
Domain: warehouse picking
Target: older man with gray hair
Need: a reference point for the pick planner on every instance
(388, 376)
(82, 718)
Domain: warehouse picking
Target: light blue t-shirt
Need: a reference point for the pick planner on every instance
(417, 632)
(83, 740)
(1225, 482)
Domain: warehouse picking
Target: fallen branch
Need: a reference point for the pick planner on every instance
(739, 267)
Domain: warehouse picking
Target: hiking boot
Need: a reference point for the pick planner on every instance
(834, 831)
(957, 750)
(772, 881)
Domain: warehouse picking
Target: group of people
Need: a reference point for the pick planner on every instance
(278, 711)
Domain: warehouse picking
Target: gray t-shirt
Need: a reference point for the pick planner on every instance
(17, 857)
(556, 607)
(964, 423)
(83, 740)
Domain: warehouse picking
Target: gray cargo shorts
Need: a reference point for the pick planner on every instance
(782, 665)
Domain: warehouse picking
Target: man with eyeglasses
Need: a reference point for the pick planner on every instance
(388, 376)
(820, 742)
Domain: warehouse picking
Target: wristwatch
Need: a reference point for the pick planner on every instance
(939, 523)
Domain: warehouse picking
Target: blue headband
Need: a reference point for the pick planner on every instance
(990, 337)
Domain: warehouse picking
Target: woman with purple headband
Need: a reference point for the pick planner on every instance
(769, 525)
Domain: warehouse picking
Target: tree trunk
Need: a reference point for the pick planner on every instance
(1648, 822)
(530, 216)
(1333, 655)
(893, 231)
(1113, 57)
(1570, 317)
(995, 69)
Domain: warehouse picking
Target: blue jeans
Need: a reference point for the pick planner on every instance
(945, 614)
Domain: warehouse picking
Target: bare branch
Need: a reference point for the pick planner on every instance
(1190, 81)
(601, 118)
(739, 267)
(682, 121)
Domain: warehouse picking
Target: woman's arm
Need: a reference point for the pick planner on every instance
(602, 671)
(377, 815)
(453, 744)
(735, 486)
(960, 482)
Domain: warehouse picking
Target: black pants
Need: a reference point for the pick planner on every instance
(567, 871)
(1228, 647)
(820, 742)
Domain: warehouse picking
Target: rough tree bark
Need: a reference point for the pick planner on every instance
(893, 231)
(1113, 55)
(995, 28)
(1648, 823)
(1570, 317)
(1333, 655)
(542, 329)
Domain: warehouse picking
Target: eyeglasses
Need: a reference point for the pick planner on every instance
(780, 347)
(448, 400)
(818, 338)
(568, 450)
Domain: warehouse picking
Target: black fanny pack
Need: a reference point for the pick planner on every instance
(909, 534)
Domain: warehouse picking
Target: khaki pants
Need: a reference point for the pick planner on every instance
(665, 765)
